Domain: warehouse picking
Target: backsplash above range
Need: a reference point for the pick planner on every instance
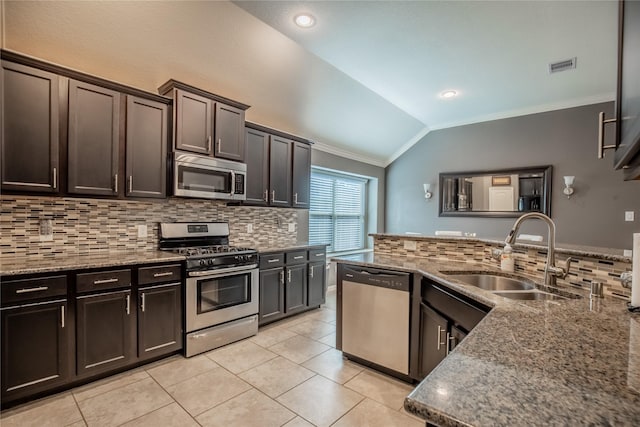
(81, 225)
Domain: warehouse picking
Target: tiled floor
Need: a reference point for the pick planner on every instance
(289, 374)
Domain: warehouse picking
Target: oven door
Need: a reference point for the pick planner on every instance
(220, 297)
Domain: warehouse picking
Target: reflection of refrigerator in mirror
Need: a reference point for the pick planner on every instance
(465, 192)
(449, 194)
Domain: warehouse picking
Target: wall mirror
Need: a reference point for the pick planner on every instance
(496, 193)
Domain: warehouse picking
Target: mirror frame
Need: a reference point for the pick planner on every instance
(545, 199)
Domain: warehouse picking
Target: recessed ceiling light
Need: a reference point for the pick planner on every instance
(449, 94)
(304, 20)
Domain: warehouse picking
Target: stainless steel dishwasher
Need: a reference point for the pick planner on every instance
(373, 316)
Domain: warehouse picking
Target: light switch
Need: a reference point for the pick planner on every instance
(142, 231)
(249, 228)
(410, 245)
(292, 227)
(46, 230)
(629, 216)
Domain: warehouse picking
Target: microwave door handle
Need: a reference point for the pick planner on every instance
(233, 183)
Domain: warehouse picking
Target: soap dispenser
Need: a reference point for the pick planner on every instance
(506, 259)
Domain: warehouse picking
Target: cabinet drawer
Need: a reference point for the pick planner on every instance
(296, 257)
(317, 254)
(271, 260)
(101, 280)
(15, 291)
(159, 274)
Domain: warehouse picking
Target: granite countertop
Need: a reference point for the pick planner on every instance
(610, 254)
(32, 265)
(569, 362)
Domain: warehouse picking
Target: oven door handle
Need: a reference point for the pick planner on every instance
(222, 271)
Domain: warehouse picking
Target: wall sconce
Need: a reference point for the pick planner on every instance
(568, 186)
(427, 191)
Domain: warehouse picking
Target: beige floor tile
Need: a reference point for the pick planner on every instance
(207, 390)
(124, 404)
(240, 356)
(330, 299)
(181, 369)
(59, 410)
(313, 329)
(320, 400)
(329, 340)
(324, 314)
(298, 422)
(332, 365)
(77, 424)
(110, 383)
(268, 337)
(299, 349)
(171, 415)
(373, 414)
(276, 376)
(290, 321)
(249, 409)
(382, 389)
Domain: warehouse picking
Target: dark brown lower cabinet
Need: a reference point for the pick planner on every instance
(296, 288)
(35, 346)
(271, 294)
(433, 336)
(159, 320)
(317, 284)
(106, 325)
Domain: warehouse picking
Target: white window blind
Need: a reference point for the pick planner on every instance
(337, 211)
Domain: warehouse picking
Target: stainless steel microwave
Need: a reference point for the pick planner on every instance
(208, 178)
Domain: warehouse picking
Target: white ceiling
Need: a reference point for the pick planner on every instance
(495, 54)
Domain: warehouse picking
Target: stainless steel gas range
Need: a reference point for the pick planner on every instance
(221, 294)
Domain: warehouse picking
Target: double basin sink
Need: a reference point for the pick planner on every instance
(508, 287)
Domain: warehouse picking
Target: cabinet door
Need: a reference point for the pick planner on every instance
(296, 289)
(317, 284)
(105, 332)
(301, 175)
(94, 125)
(146, 148)
(257, 159)
(229, 133)
(271, 295)
(194, 121)
(159, 320)
(280, 171)
(433, 340)
(35, 350)
(29, 129)
(456, 336)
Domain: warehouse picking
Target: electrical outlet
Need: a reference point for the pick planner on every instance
(142, 231)
(629, 216)
(292, 227)
(249, 228)
(628, 252)
(410, 245)
(46, 230)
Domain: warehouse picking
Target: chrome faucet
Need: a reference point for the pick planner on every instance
(551, 272)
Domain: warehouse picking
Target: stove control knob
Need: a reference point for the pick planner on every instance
(210, 261)
(203, 262)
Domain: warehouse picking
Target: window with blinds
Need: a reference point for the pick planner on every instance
(337, 211)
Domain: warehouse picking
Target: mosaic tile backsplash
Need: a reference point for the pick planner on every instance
(81, 225)
(528, 261)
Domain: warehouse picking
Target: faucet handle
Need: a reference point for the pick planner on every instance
(561, 272)
(567, 267)
(625, 278)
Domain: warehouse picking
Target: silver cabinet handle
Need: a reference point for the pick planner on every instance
(601, 146)
(311, 272)
(282, 277)
(319, 254)
(219, 144)
(128, 308)
(130, 184)
(349, 275)
(27, 290)
(209, 143)
(452, 341)
(115, 183)
(289, 276)
(295, 199)
(440, 331)
(168, 273)
(266, 195)
(449, 338)
(273, 260)
(55, 178)
(62, 316)
(298, 257)
(142, 304)
(273, 196)
(103, 281)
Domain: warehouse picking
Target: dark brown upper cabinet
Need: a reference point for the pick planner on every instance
(146, 164)
(301, 179)
(257, 159)
(94, 124)
(30, 138)
(206, 123)
(280, 171)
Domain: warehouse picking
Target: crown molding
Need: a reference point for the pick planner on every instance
(413, 141)
(348, 154)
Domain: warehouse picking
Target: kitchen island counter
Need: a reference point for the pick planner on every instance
(560, 362)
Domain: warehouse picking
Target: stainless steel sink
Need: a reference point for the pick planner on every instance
(529, 296)
(491, 282)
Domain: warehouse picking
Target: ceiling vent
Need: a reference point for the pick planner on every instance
(567, 64)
